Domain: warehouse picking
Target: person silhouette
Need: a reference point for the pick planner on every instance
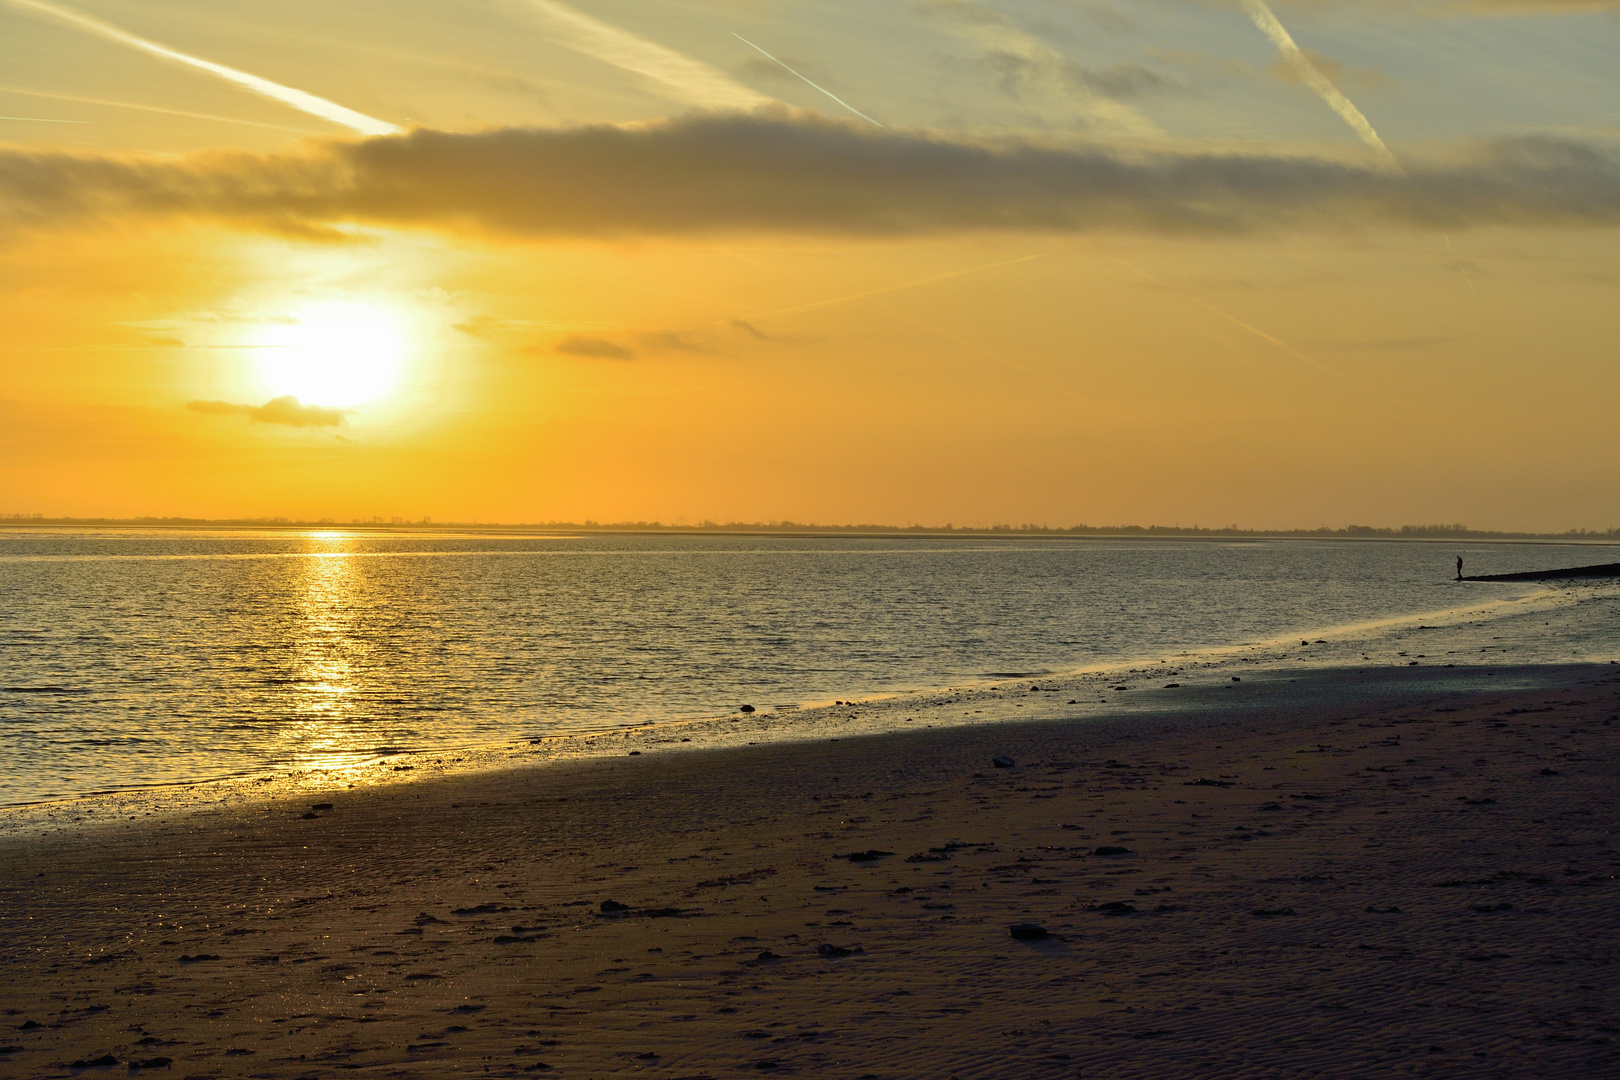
(1459, 568)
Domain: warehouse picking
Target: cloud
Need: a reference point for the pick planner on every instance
(746, 327)
(1341, 74)
(786, 173)
(1029, 68)
(681, 77)
(288, 411)
(1451, 8)
(597, 348)
(287, 95)
(670, 341)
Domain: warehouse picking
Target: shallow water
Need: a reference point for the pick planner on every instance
(131, 658)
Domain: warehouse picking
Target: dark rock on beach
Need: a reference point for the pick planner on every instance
(869, 855)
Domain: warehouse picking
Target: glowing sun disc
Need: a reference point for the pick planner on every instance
(339, 353)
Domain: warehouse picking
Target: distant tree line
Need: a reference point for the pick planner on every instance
(1416, 532)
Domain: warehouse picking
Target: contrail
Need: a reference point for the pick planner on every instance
(881, 290)
(298, 99)
(149, 108)
(790, 71)
(1280, 37)
(43, 120)
(1234, 320)
(692, 80)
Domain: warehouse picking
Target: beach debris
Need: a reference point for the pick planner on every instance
(1027, 931)
(481, 909)
(1272, 913)
(1002, 761)
(1391, 910)
(1072, 701)
(755, 1033)
(610, 907)
(151, 1063)
(1205, 781)
(321, 806)
(765, 1063)
(648, 1056)
(869, 855)
(30, 1025)
(105, 1061)
(837, 950)
(635, 753)
(1111, 849)
(1237, 678)
(765, 956)
(746, 708)
(311, 816)
(1549, 772)
(9, 1049)
(1271, 806)
(1115, 907)
(187, 958)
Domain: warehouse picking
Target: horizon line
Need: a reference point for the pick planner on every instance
(1409, 532)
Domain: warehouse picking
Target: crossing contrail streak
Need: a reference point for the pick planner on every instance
(795, 74)
(298, 99)
(1263, 18)
(43, 120)
(691, 80)
(148, 108)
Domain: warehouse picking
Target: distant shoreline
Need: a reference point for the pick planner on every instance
(795, 529)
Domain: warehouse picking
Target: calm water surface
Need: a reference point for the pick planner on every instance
(134, 658)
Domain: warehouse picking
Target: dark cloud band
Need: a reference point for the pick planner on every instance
(792, 173)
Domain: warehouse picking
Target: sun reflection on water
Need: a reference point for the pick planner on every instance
(325, 722)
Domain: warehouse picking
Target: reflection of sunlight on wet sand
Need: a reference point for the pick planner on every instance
(323, 728)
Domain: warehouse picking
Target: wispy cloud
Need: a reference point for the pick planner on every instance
(785, 173)
(298, 99)
(595, 348)
(1029, 66)
(682, 77)
(1312, 76)
(287, 411)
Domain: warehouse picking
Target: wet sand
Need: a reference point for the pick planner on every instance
(1337, 879)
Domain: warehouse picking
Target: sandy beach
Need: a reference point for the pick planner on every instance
(1330, 881)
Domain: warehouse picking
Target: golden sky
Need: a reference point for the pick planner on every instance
(1049, 261)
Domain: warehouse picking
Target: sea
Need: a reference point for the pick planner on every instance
(140, 658)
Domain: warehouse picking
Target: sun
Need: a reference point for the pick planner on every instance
(339, 353)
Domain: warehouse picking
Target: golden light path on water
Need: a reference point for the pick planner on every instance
(322, 730)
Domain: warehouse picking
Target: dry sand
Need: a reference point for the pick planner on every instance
(1323, 885)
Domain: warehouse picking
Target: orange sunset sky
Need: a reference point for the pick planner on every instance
(1054, 261)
